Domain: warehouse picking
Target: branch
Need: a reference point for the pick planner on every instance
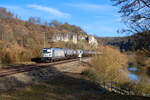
(145, 3)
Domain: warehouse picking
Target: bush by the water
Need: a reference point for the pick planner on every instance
(143, 58)
(109, 66)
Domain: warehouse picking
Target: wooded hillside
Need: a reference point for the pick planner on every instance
(22, 40)
(129, 43)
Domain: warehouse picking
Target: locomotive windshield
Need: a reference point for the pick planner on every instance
(46, 51)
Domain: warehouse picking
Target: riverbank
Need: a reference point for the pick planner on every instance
(66, 86)
(139, 71)
(138, 65)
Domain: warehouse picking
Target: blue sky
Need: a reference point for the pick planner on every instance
(96, 17)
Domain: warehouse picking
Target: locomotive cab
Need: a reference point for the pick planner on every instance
(46, 54)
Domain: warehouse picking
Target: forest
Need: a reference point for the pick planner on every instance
(133, 43)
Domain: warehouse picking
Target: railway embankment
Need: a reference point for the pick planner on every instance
(59, 82)
(21, 76)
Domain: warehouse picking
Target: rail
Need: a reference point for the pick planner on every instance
(115, 87)
(9, 70)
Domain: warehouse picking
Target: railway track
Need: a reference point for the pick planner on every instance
(27, 68)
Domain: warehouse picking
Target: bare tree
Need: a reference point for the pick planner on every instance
(135, 14)
(38, 20)
(5, 14)
(32, 20)
(55, 24)
(45, 23)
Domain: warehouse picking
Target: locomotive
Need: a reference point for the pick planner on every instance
(52, 54)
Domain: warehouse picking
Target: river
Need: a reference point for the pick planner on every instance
(136, 74)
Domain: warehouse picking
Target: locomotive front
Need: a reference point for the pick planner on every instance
(46, 54)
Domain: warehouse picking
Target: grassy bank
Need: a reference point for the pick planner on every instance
(65, 87)
(141, 60)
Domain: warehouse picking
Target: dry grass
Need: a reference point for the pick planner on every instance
(65, 87)
(141, 87)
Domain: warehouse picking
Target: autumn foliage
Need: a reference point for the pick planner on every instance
(109, 66)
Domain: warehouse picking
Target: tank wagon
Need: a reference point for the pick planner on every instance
(52, 54)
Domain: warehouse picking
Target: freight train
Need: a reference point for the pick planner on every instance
(52, 54)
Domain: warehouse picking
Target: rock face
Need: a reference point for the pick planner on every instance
(74, 38)
(92, 40)
(61, 37)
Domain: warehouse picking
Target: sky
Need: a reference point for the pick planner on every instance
(96, 17)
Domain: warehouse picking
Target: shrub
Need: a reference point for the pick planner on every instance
(109, 65)
(142, 58)
(15, 55)
(6, 57)
(24, 56)
(90, 73)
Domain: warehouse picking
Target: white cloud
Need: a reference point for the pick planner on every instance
(52, 11)
(93, 7)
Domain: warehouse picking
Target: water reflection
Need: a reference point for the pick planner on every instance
(132, 69)
(137, 74)
(133, 77)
